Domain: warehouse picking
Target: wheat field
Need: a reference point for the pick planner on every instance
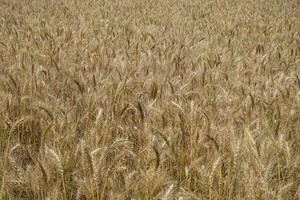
(150, 99)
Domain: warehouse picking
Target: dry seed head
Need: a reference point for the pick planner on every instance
(236, 152)
(212, 174)
(57, 161)
(97, 162)
(86, 159)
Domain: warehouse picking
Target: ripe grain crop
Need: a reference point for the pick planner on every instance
(150, 99)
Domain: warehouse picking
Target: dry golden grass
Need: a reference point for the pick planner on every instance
(150, 99)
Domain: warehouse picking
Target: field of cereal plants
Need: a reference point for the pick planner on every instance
(149, 99)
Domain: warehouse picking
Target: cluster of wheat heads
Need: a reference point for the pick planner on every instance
(139, 99)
